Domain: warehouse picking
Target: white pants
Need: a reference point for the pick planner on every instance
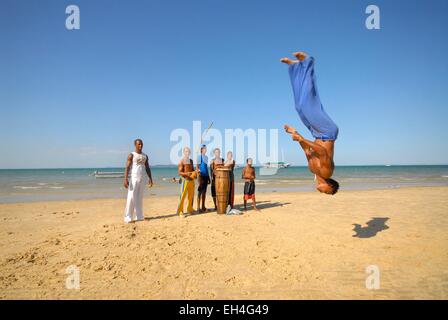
(135, 200)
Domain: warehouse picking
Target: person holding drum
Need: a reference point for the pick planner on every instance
(216, 163)
(248, 175)
(230, 164)
(187, 175)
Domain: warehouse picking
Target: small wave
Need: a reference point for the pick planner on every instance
(56, 187)
(294, 181)
(24, 188)
(444, 176)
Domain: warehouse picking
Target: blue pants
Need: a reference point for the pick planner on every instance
(307, 101)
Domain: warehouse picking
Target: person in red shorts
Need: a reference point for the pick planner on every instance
(248, 175)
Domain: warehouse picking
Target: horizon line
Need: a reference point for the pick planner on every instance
(173, 165)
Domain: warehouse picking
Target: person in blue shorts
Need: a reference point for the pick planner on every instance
(203, 178)
(309, 107)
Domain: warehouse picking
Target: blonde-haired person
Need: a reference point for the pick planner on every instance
(187, 175)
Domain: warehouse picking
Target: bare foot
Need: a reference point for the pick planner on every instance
(297, 137)
(293, 132)
(290, 129)
(288, 61)
(256, 209)
(300, 55)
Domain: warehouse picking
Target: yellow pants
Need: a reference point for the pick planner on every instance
(186, 191)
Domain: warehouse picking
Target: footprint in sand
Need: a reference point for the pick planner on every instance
(66, 213)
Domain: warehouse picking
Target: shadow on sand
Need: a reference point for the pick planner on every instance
(260, 205)
(373, 227)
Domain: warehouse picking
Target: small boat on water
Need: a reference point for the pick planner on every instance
(279, 165)
(107, 174)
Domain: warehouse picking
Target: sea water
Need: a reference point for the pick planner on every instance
(24, 185)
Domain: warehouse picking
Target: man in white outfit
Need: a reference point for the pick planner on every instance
(140, 175)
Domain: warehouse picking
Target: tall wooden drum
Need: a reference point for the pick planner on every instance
(222, 185)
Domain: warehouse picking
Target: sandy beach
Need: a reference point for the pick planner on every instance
(300, 246)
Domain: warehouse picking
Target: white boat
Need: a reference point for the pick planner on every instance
(278, 165)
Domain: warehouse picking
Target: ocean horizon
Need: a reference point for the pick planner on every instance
(29, 185)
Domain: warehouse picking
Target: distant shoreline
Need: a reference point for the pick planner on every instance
(257, 166)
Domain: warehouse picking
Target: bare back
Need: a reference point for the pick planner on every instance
(321, 164)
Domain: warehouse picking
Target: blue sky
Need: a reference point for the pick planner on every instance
(143, 68)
